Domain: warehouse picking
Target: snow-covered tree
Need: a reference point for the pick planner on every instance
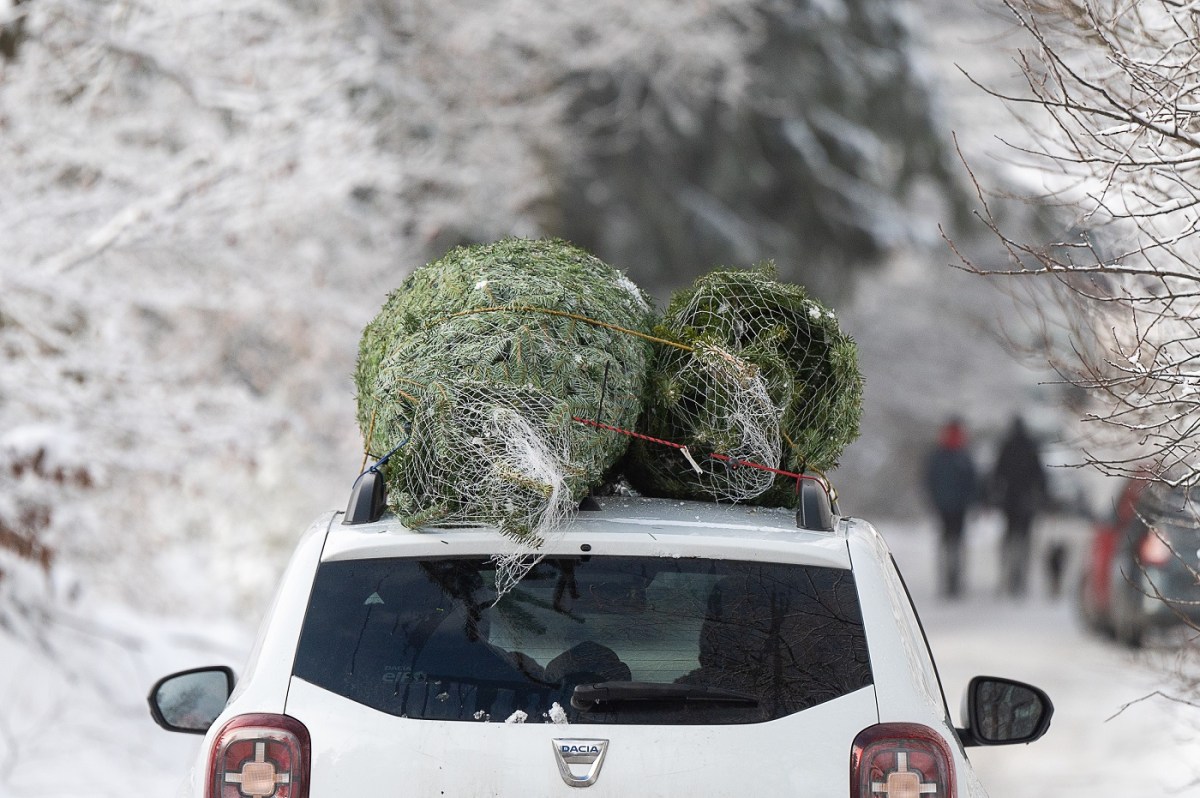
(190, 190)
(1112, 110)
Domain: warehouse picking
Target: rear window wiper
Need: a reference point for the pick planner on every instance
(586, 696)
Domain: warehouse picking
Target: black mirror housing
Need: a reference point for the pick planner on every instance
(1002, 711)
(189, 701)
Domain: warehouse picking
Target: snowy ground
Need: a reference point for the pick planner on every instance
(1093, 748)
(81, 692)
(80, 696)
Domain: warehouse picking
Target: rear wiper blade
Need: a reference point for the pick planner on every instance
(586, 696)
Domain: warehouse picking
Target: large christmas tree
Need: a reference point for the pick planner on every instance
(480, 360)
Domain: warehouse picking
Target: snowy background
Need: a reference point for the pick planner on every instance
(202, 203)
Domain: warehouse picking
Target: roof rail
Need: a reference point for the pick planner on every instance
(816, 508)
(368, 497)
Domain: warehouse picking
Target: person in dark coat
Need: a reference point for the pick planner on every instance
(951, 482)
(1018, 484)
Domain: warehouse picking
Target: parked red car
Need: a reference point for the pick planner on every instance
(1095, 595)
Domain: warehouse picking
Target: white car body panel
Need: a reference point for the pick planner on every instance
(357, 750)
(269, 666)
(906, 679)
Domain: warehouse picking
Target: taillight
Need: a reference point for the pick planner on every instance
(901, 760)
(259, 756)
(1153, 549)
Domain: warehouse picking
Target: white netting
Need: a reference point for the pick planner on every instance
(742, 424)
(498, 453)
(511, 461)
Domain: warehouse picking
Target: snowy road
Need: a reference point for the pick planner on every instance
(1093, 748)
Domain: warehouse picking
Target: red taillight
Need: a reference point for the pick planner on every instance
(259, 756)
(1153, 549)
(901, 760)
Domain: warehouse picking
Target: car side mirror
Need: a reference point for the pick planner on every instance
(189, 701)
(1003, 712)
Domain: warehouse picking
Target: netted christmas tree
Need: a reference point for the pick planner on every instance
(761, 374)
(482, 360)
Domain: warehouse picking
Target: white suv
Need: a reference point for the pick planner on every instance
(659, 648)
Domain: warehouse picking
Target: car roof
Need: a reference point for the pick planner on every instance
(622, 526)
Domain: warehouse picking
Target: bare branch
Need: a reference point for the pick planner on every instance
(1147, 697)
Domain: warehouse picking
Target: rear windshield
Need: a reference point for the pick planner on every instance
(630, 639)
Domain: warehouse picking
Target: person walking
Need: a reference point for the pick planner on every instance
(951, 483)
(1018, 483)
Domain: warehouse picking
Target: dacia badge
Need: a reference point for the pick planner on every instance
(579, 761)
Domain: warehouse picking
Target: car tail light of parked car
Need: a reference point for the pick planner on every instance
(901, 760)
(1153, 550)
(260, 756)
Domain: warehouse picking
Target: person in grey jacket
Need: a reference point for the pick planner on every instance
(952, 485)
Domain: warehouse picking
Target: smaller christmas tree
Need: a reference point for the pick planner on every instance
(764, 375)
